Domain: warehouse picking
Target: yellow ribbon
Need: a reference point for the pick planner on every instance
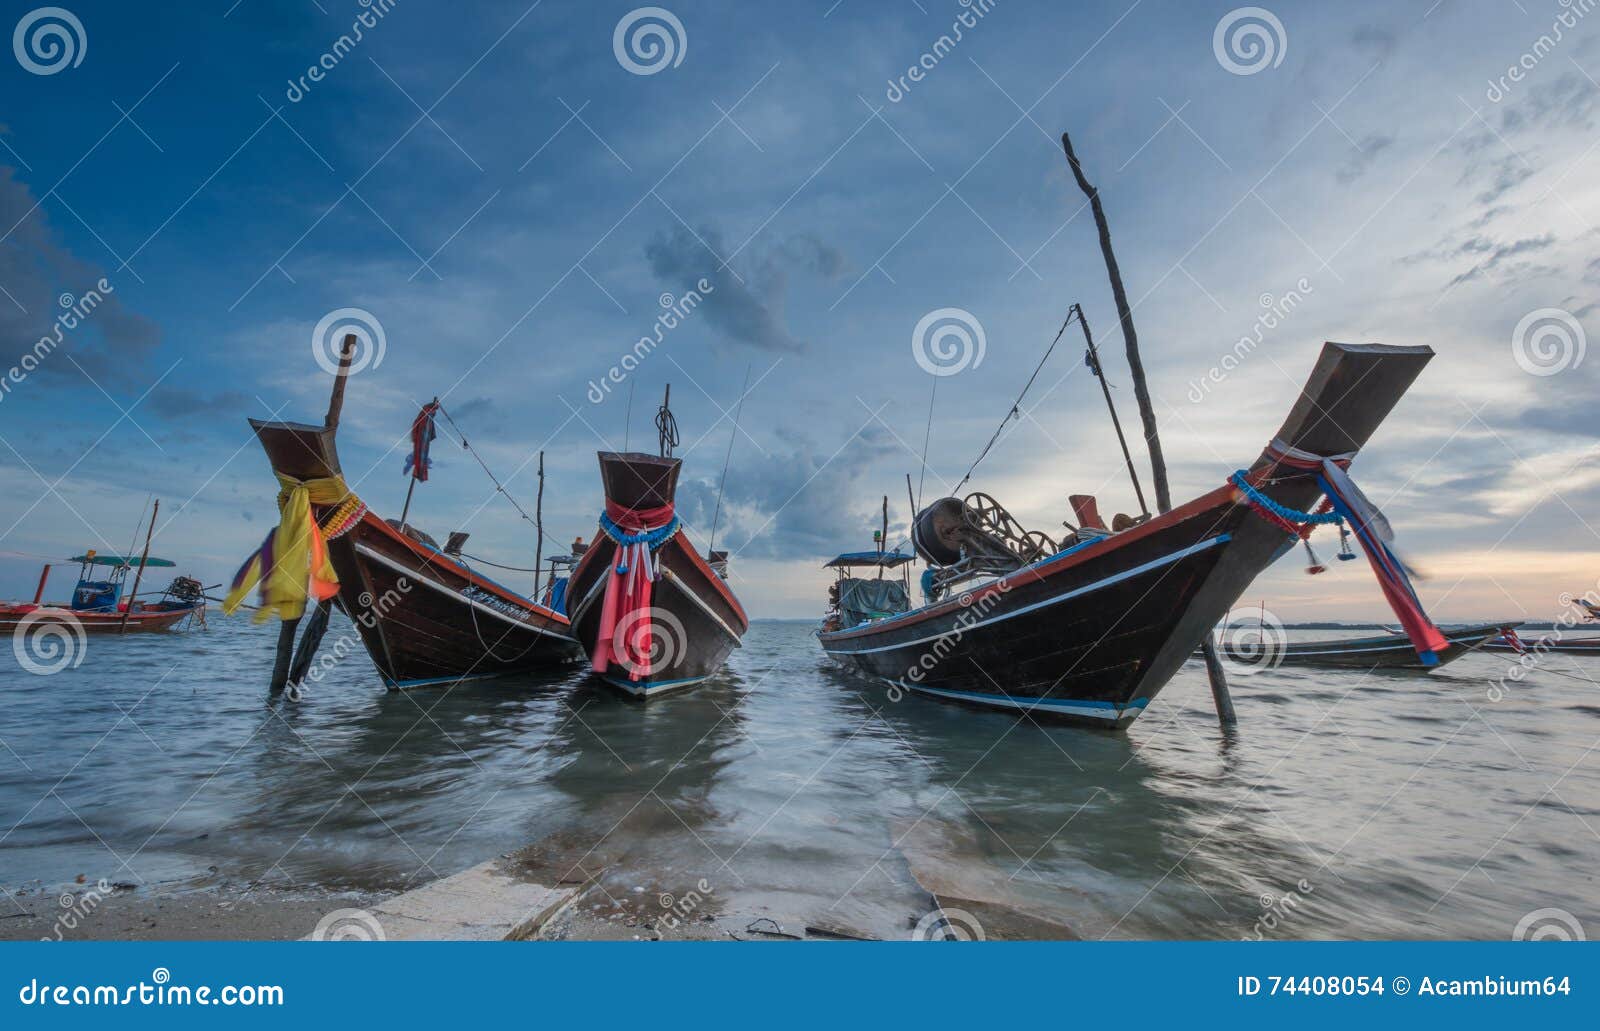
(292, 565)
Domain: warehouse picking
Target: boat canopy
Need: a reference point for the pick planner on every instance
(886, 559)
(95, 559)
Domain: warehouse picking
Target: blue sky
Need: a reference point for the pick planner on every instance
(495, 186)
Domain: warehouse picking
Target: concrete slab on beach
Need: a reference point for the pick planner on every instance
(488, 902)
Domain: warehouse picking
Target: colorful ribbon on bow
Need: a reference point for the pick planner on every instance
(1346, 503)
(626, 635)
(292, 565)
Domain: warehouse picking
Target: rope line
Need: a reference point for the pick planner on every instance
(1016, 405)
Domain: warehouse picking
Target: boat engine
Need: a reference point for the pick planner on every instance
(975, 535)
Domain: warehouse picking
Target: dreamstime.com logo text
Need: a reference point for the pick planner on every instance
(1575, 10)
(1274, 312)
(158, 991)
(77, 910)
(1276, 910)
(74, 312)
(340, 48)
(900, 88)
(372, 610)
(675, 311)
(974, 607)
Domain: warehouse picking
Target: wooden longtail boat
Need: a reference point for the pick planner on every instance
(1390, 651)
(686, 621)
(1093, 629)
(1549, 642)
(97, 605)
(424, 615)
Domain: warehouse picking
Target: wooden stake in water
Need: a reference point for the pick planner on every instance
(1147, 412)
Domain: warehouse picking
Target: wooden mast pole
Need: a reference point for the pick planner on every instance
(1116, 423)
(127, 611)
(284, 656)
(1147, 412)
(538, 524)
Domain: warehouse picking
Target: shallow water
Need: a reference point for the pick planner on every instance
(1344, 805)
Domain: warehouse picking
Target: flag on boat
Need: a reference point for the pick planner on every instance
(422, 434)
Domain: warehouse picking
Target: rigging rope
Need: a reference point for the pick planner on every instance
(737, 411)
(1016, 405)
(666, 430)
(498, 486)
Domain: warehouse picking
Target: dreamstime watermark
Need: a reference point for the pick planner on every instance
(74, 312)
(1547, 341)
(48, 40)
(349, 925)
(47, 642)
(327, 340)
(1501, 88)
(1275, 310)
(974, 607)
(1248, 40)
(158, 991)
(948, 925)
(78, 908)
(675, 311)
(1576, 610)
(339, 49)
(667, 642)
(900, 88)
(679, 908)
(648, 40)
(1277, 909)
(1549, 924)
(372, 609)
(947, 341)
(1248, 648)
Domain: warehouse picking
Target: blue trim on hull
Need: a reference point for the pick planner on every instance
(403, 685)
(652, 688)
(1111, 712)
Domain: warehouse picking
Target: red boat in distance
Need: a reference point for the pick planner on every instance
(97, 604)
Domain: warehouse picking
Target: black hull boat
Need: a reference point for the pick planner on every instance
(1553, 642)
(1092, 632)
(1391, 651)
(424, 617)
(682, 629)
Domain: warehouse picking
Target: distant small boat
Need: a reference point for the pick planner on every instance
(97, 605)
(1551, 642)
(653, 615)
(1392, 651)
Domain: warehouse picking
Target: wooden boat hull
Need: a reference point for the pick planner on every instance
(424, 617)
(1092, 634)
(695, 619)
(151, 620)
(1572, 645)
(1367, 653)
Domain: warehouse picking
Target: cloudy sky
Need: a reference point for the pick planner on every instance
(509, 191)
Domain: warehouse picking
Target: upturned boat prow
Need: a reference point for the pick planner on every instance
(1089, 629)
(423, 615)
(653, 615)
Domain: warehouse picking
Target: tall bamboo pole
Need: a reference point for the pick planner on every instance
(1147, 412)
(538, 523)
(122, 627)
